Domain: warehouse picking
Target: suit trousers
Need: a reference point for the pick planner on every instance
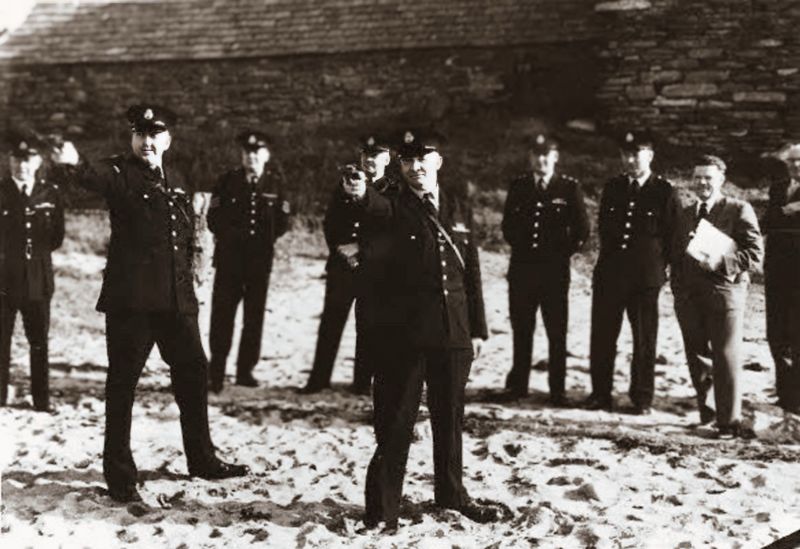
(396, 394)
(525, 296)
(130, 337)
(340, 293)
(36, 322)
(783, 335)
(608, 306)
(711, 324)
(235, 283)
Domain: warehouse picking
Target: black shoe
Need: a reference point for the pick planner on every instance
(215, 386)
(390, 528)
(559, 400)
(707, 415)
(310, 389)
(641, 410)
(743, 429)
(128, 494)
(511, 394)
(370, 523)
(595, 403)
(246, 380)
(479, 513)
(219, 470)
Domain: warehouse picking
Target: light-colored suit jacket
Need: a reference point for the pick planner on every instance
(736, 219)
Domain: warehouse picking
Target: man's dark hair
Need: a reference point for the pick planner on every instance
(711, 160)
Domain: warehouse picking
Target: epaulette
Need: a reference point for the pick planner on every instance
(115, 162)
(569, 178)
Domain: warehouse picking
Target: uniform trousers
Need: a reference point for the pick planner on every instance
(234, 282)
(526, 294)
(783, 335)
(397, 393)
(36, 322)
(340, 293)
(130, 337)
(608, 306)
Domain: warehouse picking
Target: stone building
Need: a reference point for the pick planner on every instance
(714, 73)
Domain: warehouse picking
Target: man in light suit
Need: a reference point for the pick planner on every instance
(710, 294)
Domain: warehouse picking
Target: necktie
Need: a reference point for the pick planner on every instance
(633, 186)
(541, 183)
(157, 173)
(792, 189)
(703, 212)
(24, 190)
(253, 179)
(430, 206)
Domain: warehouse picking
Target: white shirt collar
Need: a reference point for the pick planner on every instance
(421, 194)
(20, 183)
(713, 199)
(641, 180)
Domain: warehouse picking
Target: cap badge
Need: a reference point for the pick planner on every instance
(408, 137)
(371, 141)
(629, 137)
(23, 146)
(148, 114)
(252, 139)
(540, 139)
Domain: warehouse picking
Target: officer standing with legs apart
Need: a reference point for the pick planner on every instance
(635, 224)
(247, 214)
(781, 226)
(343, 226)
(148, 294)
(710, 288)
(31, 227)
(545, 222)
(432, 312)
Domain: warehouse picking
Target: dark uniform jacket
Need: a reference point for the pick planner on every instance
(245, 219)
(736, 219)
(635, 231)
(544, 226)
(344, 223)
(149, 266)
(427, 299)
(782, 261)
(32, 227)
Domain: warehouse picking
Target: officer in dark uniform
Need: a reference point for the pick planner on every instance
(781, 225)
(247, 214)
(32, 226)
(635, 224)
(545, 222)
(432, 313)
(147, 294)
(343, 227)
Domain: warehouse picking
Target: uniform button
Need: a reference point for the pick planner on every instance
(631, 203)
(252, 221)
(445, 292)
(626, 236)
(536, 224)
(174, 233)
(356, 224)
(444, 263)
(174, 217)
(171, 203)
(27, 225)
(535, 244)
(628, 225)
(175, 248)
(441, 248)
(535, 235)
(444, 277)
(630, 213)
(539, 204)
(29, 241)
(537, 213)
(624, 246)
(253, 211)
(252, 232)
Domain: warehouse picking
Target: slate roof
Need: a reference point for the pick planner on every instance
(120, 31)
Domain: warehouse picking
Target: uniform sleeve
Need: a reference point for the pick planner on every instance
(602, 214)
(100, 178)
(215, 217)
(282, 213)
(579, 223)
(333, 219)
(772, 217)
(474, 285)
(57, 235)
(670, 222)
(749, 244)
(511, 224)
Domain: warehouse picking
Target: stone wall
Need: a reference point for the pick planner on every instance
(716, 74)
